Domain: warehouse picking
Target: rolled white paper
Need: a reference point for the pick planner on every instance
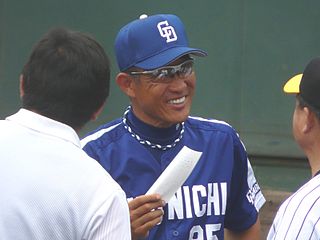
(176, 173)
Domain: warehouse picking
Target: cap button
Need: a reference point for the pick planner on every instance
(143, 16)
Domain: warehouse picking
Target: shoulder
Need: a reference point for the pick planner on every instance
(102, 193)
(105, 133)
(298, 213)
(216, 132)
(97, 175)
(210, 125)
(302, 200)
(308, 191)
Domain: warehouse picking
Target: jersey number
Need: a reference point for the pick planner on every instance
(196, 232)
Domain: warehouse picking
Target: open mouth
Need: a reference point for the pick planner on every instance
(178, 100)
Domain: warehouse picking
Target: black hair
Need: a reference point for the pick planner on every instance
(67, 77)
(303, 103)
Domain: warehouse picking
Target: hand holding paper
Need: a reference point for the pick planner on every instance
(176, 173)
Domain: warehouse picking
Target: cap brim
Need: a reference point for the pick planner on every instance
(167, 56)
(292, 85)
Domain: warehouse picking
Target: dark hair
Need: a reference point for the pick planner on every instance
(66, 77)
(303, 103)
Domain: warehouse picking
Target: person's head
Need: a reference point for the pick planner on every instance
(66, 77)
(306, 117)
(156, 68)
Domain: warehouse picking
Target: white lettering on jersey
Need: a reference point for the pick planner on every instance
(213, 198)
(251, 195)
(176, 205)
(188, 201)
(199, 211)
(223, 186)
(210, 199)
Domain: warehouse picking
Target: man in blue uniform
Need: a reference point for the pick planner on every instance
(156, 73)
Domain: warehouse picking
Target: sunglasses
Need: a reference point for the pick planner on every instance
(165, 74)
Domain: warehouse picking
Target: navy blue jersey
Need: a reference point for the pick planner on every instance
(221, 191)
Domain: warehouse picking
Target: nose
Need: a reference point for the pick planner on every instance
(179, 83)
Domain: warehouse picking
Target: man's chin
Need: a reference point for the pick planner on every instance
(181, 119)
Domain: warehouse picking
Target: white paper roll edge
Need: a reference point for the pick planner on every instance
(176, 173)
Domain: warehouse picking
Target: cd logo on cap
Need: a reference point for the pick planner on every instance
(167, 31)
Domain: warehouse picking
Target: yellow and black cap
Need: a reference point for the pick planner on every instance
(307, 84)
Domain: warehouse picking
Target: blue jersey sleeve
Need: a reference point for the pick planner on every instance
(241, 211)
(90, 151)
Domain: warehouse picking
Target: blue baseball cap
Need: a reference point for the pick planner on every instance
(152, 42)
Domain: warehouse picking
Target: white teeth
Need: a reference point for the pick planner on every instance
(177, 101)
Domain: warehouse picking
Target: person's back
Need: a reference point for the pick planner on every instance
(298, 217)
(51, 189)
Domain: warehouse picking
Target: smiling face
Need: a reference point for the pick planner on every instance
(162, 104)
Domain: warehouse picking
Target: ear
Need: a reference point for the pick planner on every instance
(309, 120)
(126, 83)
(21, 85)
(97, 113)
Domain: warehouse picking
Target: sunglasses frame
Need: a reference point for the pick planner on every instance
(176, 69)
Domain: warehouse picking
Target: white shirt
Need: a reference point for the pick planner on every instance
(50, 188)
(299, 216)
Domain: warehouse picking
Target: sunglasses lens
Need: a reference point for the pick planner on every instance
(186, 69)
(162, 73)
(166, 74)
(182, 70)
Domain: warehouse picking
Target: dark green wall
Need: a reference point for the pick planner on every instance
(253, 46)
